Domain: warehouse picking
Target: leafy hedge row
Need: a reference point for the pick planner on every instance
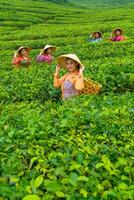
(80, 149)
(36, 83)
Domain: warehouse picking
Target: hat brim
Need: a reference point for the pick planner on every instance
(53, 48)
(93, 34)
(116, 30)
(62, 61)
(28, 49)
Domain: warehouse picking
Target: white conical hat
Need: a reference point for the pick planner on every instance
(62, 60)
(50, 46)
(24, 47)
(28, 49)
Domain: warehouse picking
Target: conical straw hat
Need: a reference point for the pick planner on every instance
(18, 53)
(50, 46)
(62, 60)
(24, 47)
(116, 30)
(100, 33)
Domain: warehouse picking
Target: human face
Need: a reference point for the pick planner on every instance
(23, 52)
(97, 35)
(49, 51)
(117, 32)
(71, 65)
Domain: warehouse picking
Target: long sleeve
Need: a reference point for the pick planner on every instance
(58, 82)
(16, 61)
(38, 59)
(79, 83)
(44, 58)
(121, 38)
(118, 38)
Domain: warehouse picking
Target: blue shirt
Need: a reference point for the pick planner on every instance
(95, 40)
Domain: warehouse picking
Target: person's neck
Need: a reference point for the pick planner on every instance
(24, 56)
(74, 72)
(47, 54)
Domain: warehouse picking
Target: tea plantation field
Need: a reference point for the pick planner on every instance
(81, 149)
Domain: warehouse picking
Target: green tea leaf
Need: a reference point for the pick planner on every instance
(32, 197)
(38, 181)
(60, 194)
(52, 186)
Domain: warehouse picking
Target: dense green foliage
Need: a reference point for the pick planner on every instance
(82, 148)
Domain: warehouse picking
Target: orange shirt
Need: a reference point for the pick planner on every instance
(19, 60)
(70, 84)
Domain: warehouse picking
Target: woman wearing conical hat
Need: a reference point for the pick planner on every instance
(21, 57)
(117, 35)
(95, 37)
(46, 54)
(72, 82)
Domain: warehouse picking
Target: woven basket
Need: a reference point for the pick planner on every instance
(90, 87)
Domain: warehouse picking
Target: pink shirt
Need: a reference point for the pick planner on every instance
(118, 38)
(44, 58)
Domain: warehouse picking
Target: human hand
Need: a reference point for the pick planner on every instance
(81, 69)
(57, 69)
(42, 51)
(111, 35)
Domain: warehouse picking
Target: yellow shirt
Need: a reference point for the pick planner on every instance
(70, 84)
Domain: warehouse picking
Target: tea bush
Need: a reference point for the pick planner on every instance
(81, 148)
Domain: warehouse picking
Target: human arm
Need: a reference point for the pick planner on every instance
(58, 81)
(79, 83)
